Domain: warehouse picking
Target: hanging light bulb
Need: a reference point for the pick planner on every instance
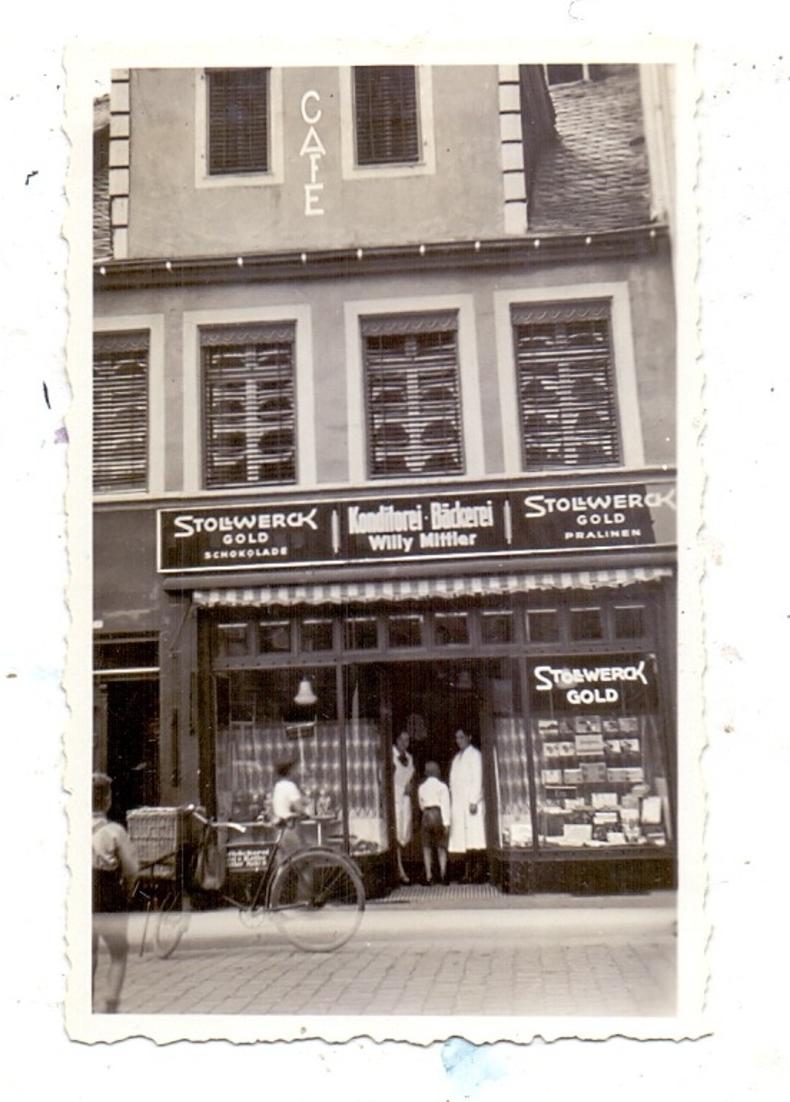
(305, 696)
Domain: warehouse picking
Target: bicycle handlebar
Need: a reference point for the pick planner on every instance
(193, 811)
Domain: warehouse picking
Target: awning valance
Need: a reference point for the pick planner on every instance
(425, 589)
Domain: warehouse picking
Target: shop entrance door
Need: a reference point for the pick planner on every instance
(432, 700)
(132, 732)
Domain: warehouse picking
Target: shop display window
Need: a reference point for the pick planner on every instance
(451, 629)
(365, 772)
(601, 775)
(259, 725)
(510, 756)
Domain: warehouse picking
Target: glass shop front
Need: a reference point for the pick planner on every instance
(566, 694)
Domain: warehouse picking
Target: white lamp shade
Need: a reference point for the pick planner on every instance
(305, 696)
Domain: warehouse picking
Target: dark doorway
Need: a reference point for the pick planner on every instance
(133, 744)
(431, 700)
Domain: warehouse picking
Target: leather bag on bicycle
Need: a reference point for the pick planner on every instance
(210, 866)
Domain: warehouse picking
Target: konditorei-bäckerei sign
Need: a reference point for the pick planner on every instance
(479, 523)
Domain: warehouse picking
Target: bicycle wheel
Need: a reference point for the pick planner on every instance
(317, 900)
(171, 925)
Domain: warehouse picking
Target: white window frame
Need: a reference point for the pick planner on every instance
(468, 376)
(275, 172)
(154, 324)
(195, 320)
(426, 166)
(629, 419)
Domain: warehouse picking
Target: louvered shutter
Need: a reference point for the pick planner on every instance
(566, 385)
(413, 395)
(120, 411)
(385, 106)
(238, 120)
(249, 405)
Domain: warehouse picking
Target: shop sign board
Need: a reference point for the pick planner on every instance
(238, 537)
(471, 524)
(565, 684)
(594, 516)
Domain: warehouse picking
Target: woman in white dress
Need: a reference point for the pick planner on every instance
(403, 773)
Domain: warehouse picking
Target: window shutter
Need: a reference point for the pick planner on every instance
(120, 411)
(566, 385)
(385, 104)
(413, 395)
(249, 405)
(238, 120)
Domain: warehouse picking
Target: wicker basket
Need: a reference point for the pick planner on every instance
(157, 834)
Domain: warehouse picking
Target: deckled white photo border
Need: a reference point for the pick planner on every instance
(82, 66)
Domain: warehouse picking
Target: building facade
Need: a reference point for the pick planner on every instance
(384, 409)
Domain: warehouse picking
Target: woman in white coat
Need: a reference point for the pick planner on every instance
(467, 812)
(403, 774)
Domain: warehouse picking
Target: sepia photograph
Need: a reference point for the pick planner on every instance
(384, 546)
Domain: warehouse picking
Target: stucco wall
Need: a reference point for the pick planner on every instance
(649, 286)
(171, 216)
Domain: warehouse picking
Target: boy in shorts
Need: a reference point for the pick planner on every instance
(433, 796)
(115, 869)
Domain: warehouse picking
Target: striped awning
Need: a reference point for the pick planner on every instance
(425, 589)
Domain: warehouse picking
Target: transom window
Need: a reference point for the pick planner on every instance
(120, 411)
(386, 115)
(238, 120)
(249, 404)
(565, 381)
(413, 395)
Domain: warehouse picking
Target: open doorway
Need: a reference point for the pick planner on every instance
(432, 700)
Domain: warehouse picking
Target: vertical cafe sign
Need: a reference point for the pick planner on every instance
(313, 149)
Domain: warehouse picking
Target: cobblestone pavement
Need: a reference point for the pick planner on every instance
(591, 961)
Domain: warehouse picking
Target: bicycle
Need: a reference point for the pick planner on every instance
(314, 894)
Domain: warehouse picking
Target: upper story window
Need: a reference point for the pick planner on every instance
(249, 412)
(412, 395)
(120, 411)
(566, 387)
(238, 121)
(386, 115)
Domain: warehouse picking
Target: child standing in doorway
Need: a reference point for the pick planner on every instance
(434, 800)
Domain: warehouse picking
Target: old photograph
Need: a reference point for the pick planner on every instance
(385, 545)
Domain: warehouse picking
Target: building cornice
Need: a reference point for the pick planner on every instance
(533, 249)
